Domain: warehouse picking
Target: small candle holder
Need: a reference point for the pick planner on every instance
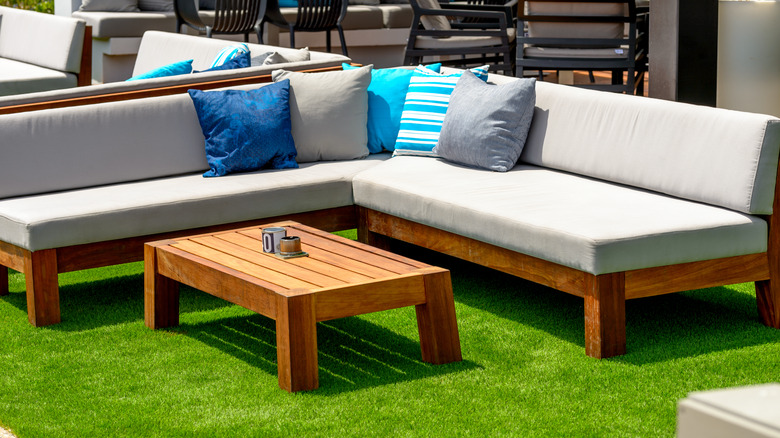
(290, 247)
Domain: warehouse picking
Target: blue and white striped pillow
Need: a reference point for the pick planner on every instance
(424, 109)
(229, 53)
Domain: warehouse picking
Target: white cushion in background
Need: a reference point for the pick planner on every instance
(42, 39)
(705, 154)
(19, 78)
(175, 203)
(579, 222)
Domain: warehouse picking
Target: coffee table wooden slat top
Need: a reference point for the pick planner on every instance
(339, 278)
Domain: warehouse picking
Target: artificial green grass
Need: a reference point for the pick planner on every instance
(101, 372)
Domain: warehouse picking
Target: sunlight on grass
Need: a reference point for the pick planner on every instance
(101, 372)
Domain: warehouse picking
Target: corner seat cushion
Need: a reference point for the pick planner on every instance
(176, 203)
(586, 224)
(20, 78)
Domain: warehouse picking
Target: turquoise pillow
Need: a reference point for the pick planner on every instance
(246, 130)
(424, 109)
(386, 96)
(175, 69)
(288, 3)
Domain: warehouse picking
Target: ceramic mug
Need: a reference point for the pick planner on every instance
(272, 238)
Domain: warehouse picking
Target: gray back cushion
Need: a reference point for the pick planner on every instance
(68, 148)
(486, 125)
(41, 39)
(704, 154)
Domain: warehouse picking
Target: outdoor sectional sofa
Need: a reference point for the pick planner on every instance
(42, 52)
(162, 48)
(615, 197)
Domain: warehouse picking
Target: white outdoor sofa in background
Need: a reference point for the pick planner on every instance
(162, 48)
(40, 52)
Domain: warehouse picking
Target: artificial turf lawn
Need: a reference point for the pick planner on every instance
(101, 372)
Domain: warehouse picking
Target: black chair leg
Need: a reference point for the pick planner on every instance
(292, 37)
(259, 30)
(327, 41)
(343, 41)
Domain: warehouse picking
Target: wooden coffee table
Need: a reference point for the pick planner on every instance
(339, 278)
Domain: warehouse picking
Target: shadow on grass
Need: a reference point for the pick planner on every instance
(353, 354)
(94, 303)
(658, 329)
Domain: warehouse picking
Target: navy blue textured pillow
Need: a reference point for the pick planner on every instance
(246, 130)
(239, 61)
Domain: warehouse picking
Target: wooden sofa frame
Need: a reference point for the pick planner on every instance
(147, 92)
(605, 295)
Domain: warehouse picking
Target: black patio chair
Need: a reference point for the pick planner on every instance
(589, 35)
(230, 17)
(463, 34)
(312, 16)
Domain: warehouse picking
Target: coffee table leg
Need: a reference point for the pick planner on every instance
(296, 343)
(439, 339)
(161, 294)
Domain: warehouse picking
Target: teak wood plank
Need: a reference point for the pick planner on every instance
(357, 245)
(339, 260)
(229, 261)
(530, 268)
(269, 261)
(696, 275)
(309, 263)
(364, 253)
(234, 286)
(373, 296)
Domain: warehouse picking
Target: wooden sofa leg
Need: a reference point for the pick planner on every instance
(43, 295)
(3, 281)
(768, 300)
(605, 315)
(369, 237)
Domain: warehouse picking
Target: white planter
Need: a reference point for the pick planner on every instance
(749, 56)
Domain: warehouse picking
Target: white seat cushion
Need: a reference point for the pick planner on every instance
(583, 223)
(558, 52)
(428, 42)
(176, 203)
(19, 77)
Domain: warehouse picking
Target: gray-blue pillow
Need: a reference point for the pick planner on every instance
(246, 130)
(486, 125)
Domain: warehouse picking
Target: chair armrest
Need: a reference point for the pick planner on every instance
(187, 13)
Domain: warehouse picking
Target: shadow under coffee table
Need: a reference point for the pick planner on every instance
(340, 278)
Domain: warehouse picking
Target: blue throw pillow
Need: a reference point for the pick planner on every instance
(424, 109)
(386, 96)
(288, 3)
(242, 60)
(229, 53)
(175, 69)
(246, 130)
